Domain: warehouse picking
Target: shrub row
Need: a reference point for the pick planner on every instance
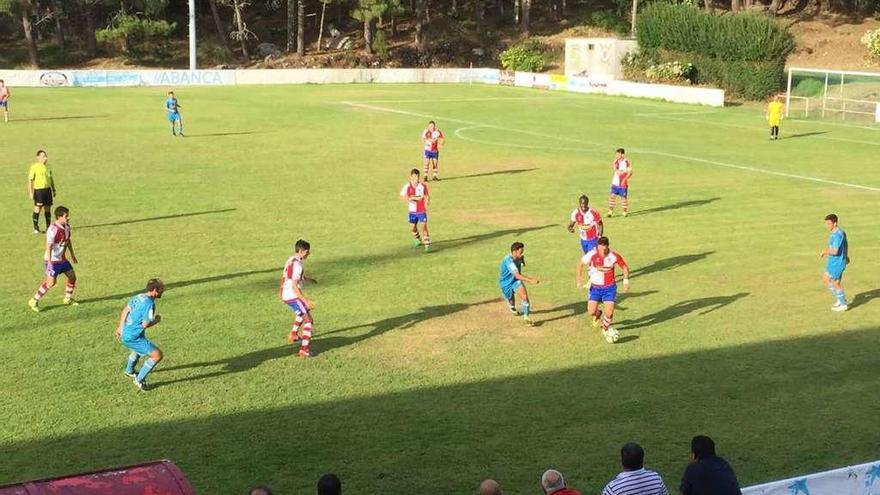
(751, 80)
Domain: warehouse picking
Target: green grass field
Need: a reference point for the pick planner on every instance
(423, 383)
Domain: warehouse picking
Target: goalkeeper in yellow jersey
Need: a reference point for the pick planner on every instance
(774, 117)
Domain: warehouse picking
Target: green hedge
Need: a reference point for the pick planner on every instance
(739, 78)
(745, 36)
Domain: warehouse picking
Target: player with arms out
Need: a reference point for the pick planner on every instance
(599, 264)
(433, 138)
(620, 182)
(589, 224)
(511, 280)
(837, 253)
(4, 99)
(173, 109)
(417, 195)
(292, 295)
(58, 244)
(41, 189)
(134, 320)
(774, 117)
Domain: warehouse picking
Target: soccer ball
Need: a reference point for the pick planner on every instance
(611, 335)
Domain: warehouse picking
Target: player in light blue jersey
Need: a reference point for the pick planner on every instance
(136, 317)
(837, 253)
(511, 281)
(173, 109)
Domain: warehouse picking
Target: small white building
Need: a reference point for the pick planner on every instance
(596, 58)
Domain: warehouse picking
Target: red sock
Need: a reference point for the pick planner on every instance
(306, 338)
(68, 290)
(41, 291)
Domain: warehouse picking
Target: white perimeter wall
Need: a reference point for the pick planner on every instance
(176, 78)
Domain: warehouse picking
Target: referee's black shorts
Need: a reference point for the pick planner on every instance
(43, 197)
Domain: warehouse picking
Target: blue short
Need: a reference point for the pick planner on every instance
(4, 104)
(55, 269)
(590, 245)
(619, 191)
(432, 154)
(418, 217)
(140, 345)
(298, 307)
(173, 116)
(606, 293)
(835, 271)
(509, 290)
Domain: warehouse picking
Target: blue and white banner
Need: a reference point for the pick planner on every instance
(863, 479)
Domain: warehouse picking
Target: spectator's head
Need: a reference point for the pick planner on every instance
(490, 487)
(552, 481)
(632, 456)
(702, 447)
(329, 484)
(261, 490)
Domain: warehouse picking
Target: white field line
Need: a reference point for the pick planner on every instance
(646, 151)
(664, 114)
(751, 128)
(459, 133)
(463, 100)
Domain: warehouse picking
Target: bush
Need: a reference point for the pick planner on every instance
(673, 72)
(808, 87)
(527, 57)
(138, 37)
(380, 43)
(871, 40)
(743, 79)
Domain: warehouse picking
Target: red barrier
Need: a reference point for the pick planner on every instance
(152, 478)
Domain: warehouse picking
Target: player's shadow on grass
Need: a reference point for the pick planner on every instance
(186, 283)
(674, 206)
(489, 174)
(580, 307)
(702, 305)
(864, 298)
(234, 364)
(403, 322)
(463, 241)
(69, 117)
(220, 134)
(153, 219)
(670, 263)
(805, 134)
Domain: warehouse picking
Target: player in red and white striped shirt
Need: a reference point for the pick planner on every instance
(58, 244)
(432, 138)
(600, 264)
(416, 194)
(620, 182)
(291, 294)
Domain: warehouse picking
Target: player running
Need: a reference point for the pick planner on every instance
(4, 99)
(41, 189)
(620, 182)
(433, 138)
(136, 317)
(416, 194)
(511, 281)
(58, 244)
(291, 293)
(173, 109)
(774, 117)
(602, 284)
(837, 253)
(588, 222)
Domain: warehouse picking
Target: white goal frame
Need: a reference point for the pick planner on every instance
(832, 94)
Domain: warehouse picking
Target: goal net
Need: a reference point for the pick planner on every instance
(833, 95)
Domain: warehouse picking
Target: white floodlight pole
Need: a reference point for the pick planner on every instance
(192, 34)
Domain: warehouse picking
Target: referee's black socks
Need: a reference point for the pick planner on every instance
(48, 219)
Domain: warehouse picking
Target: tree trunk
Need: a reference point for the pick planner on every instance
(634, 17)
(708, 5)
(59, 29)
(91, 42)
(420, 24)
(735, 5)
(321, 26)
(747, 4)
(516, 10)
(368, 35)
(526, 12)
(824, 6)
(291, 25)
(242, 31)
(28, 28)
(454, 7)
(221, 31)
(773, 9)
(301, 28)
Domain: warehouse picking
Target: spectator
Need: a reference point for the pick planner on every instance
(553, 483)
(329, 484)
(708, 474)
(261, 490)
(635, 479)
(490, 487)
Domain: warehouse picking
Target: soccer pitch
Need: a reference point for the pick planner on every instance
(423, 382)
